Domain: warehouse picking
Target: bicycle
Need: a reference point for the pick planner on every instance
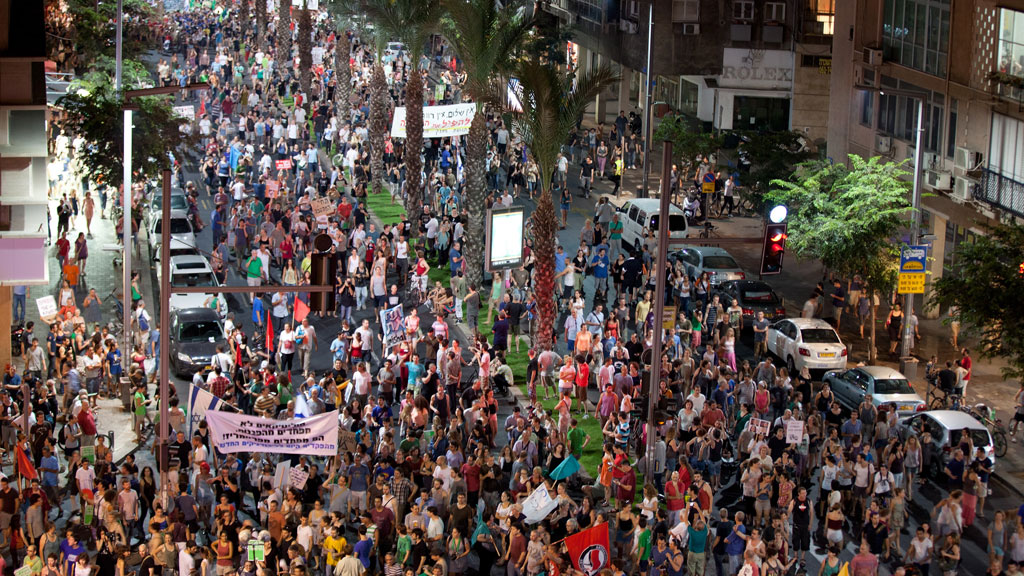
(947, 401)
(709, 231)
(996, 428)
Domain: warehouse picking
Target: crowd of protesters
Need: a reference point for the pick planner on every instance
(435, 483)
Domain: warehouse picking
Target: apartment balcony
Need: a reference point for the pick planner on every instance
(1001, 192)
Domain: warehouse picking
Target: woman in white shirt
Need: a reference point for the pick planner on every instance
(286, 347)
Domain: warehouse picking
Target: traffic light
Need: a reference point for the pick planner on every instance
(774, 248)
(323, 268)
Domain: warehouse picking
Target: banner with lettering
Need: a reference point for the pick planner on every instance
(315, 435)
(438, 121)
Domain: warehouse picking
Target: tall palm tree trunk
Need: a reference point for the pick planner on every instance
(261, 24)
(284, 35)
(476, 196)
(343, 74)
(378, 125)
(305, 53)
(545, 232)
(413, 147)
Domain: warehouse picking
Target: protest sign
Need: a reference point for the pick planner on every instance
(438, 121)
(315, 435)
(794, 431)
(285, 164)
(538, 505)
(322, 206)
(273, 188)
(346, 441)
(89, 453)
(47, 306)
(297, 478)
(758, 426)
(392, 321)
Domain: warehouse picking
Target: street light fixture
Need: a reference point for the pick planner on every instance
(778, 214)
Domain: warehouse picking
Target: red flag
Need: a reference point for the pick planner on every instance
(301, 310)
(270, 333)
(25, 467)
(589, 550)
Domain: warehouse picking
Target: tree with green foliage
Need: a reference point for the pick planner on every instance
(848, 217)
(552, 102)
(413, 22)
(689, 143)
(771, 156)
(984, 286)
(95, 29)
(98, 117)
(485, 36)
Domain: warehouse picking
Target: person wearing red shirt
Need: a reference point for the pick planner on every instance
(675, 494)
(711, 415)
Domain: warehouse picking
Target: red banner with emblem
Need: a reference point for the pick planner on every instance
(589, 550)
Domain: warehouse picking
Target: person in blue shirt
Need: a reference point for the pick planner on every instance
(114, 363)
(363, 547)
(559, 260)
(415, 370)
(455, 259)
(599, 264)
(338, 347)
(258, 313)
(50, 467)
(359, 480)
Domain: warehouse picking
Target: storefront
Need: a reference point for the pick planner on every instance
(753, 91)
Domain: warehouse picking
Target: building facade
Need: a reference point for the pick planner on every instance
(23, 155)
(730, 64)
(965, 60)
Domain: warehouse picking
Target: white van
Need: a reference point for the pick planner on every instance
(642, 214)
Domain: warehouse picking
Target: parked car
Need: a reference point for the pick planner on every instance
(945, 427)
(178, 202)
(642, 214)
(753, 296)
(886, 386)
(195, 334)
(182, 236)
(806, 342)
(719, 264)
(194, 270)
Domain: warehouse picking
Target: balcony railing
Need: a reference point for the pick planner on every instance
(1001, 192)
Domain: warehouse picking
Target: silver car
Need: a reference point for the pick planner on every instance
(719, 264)
(946, 428)
(885, 385)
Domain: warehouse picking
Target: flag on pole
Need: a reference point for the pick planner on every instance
(25, 467)
(589, 550)
(301, 310)
(567, 468)
(270, 334)
(845, 570)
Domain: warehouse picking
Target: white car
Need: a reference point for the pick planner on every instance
(194, 270)
(640, 215)
(182, 236)
(806, 342)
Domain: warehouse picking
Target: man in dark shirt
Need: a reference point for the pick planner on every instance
(947, 378)
(631, 270)
(420, 553)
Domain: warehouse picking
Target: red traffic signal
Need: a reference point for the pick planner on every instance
(773, 249)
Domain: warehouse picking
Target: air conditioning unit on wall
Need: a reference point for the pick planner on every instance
(691, 29)
(883, 144)
(938, 180)
(872, 56)
(966, 159)
(963, 189)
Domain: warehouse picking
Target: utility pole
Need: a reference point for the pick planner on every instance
(644, 193)
(654, 384)
(126, 192)
(165, 320)
(907, 362)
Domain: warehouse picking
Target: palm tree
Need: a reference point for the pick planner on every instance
(485, 37)
(284, 35)
(552, 103)
(261, 23)
(411, 21)
(380, 108)
(342, 72)
(305, 52)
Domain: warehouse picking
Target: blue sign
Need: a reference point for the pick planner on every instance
(913, 259)
(709, 178)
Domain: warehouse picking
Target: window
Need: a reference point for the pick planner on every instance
(824, 13)
(775, 12)
(951, 136)
(633, 9)
(915, 33)
(1011, 42)
(867, 107)
(685, 10)
(887, 113)
(1006, 147)
(742, 10)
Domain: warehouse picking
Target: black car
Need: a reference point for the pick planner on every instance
(753, 296)
(195, 334)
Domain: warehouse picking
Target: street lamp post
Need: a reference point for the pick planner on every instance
(648, 132)
(908, 364)
(654, 384)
